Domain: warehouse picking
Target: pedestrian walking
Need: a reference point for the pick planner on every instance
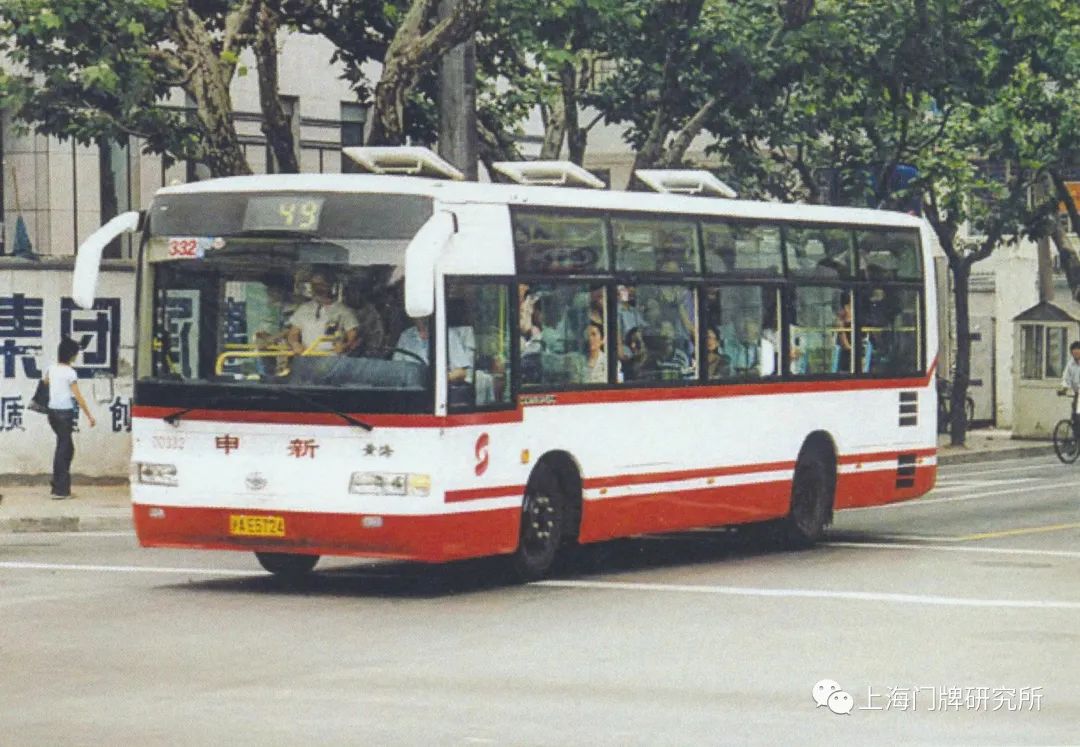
(64, 401)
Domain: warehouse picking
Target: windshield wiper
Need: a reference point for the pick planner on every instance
(174, 417)
(324, 408)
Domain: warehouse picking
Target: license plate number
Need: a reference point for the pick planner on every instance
(243, 525)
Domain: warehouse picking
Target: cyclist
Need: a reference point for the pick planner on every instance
(1071, 381)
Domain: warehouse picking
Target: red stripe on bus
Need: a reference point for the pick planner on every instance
(645, 478)
(530, 399)
(881, 456)
(432, 538)
(475, 494)
(445, 537)
(664, 394)
(329, 419)
(689, 474)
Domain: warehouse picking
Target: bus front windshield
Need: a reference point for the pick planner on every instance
(284, 291)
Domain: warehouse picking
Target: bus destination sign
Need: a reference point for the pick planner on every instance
(283, 213)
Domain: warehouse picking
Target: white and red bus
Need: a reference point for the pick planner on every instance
(508, 369)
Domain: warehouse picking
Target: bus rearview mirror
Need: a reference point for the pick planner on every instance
(420, 258)
(88, 258)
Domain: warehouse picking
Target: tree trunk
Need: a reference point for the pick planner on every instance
(222, 152)
(575, 135)
(276, 124)
(554, 129)
(208, 87)
(961, 272)
(387, 116)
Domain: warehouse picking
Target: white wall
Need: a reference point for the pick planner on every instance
(31, 322)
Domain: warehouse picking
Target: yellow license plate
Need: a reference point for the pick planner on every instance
(243, 525)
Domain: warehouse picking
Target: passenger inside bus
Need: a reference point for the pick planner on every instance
(595, 357)
(322, 324)
(414, 343)
(717, 363)
(668, 361)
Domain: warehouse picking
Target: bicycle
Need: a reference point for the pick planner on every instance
(1066, 440)
(944, 405)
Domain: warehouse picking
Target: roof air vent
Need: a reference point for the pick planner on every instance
(548, 173)
(685, 181)
(403, 160)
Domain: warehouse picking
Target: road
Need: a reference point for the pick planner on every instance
(952, 619)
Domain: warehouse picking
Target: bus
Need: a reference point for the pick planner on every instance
(409, 367)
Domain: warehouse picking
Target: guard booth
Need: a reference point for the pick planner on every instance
(1043, 334)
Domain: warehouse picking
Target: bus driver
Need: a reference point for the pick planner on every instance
(323, 320)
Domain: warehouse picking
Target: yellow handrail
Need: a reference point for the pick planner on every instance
(247, 350)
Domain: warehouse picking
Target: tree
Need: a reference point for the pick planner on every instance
(102, 69)
(688, 67)
(545, 57)
(964, 91)
(404, 36)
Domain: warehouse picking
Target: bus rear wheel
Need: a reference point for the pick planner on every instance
(543, 513)
(812, 492)
(287, 565)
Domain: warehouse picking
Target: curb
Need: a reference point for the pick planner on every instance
(992, 456)
(34, 524)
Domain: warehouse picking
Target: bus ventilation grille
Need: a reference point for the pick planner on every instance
(909, 409)
(905, 471)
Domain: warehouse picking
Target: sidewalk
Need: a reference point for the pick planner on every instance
(107, 507)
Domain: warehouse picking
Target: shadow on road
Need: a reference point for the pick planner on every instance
(401, 580)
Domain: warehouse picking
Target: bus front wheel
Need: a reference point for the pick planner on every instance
(286, 565)
(543, 513)
(812, 493)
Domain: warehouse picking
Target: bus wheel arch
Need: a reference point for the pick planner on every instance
(550, 515)
(813, 491)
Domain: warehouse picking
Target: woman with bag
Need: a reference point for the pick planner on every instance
(64, 395)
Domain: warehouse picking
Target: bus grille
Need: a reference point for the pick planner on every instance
(909, 409)
(905, 471)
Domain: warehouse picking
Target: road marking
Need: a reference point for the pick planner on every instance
(955, 548)
(1018, 532)
(23, 566)
(958, 498)
(977, 484)
(951, 476)
(974, 467)
(854, 596)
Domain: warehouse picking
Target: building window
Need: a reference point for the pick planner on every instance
(353, 117)
(1031, 353)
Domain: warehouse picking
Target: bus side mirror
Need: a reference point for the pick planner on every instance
(420, 258)
(88, 258)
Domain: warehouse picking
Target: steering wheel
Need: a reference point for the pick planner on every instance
(408, 353)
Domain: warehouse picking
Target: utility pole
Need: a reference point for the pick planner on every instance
(457, 103)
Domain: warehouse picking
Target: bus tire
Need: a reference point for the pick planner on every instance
(543, 515)
(287, 566)
(813, 490)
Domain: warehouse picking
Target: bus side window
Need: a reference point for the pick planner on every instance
(477, 344)
(559, 321)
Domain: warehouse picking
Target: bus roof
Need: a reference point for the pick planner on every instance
(546, 197)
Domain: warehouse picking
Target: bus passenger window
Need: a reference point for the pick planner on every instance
(741, 249)
(657, 330)
(563, 334)
(741, 332)
(888, 324)
(820, 252)
(889, 254)
(477, 344)
(655, 245)
(821, 335)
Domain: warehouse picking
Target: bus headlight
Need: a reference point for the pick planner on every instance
(389, 483)
(148, 473)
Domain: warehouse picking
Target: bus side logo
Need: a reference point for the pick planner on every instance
(482, 454)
